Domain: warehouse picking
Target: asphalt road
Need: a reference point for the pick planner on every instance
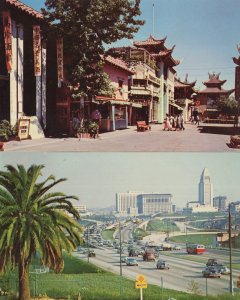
(157, 140)
(178, 277)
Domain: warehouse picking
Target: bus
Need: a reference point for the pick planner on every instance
(195, 248)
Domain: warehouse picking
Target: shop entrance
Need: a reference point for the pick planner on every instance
(4, 98)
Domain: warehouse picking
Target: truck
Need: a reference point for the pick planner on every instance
(166, 247)
(149, 255)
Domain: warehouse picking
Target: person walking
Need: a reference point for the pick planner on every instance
(167, 125)
(181, 122)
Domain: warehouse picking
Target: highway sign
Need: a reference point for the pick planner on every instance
(140, 285)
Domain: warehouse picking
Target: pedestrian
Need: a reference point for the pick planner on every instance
(172, 121)
(197, 120)
(178, 123)
(97, 117)
(181, 122)
(167, 125)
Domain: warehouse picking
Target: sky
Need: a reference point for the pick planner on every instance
(96, 177)
(205, 34)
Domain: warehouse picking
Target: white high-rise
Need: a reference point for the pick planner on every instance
(205, 189)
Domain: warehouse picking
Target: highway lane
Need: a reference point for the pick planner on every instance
(181, 272)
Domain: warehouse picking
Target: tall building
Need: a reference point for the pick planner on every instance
(126, 202)
(220, 202)
(154, 203)
(205, 188)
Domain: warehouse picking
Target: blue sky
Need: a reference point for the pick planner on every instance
(96, 177)
(205, 34)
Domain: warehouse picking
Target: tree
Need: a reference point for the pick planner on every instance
(86, 26)
(228, 106)
(34, 220)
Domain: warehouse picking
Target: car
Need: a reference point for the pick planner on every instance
(131, 261)
(223, 269)
(176, 247)
(211, 272)
(212, 262)
(123, 259)
(91, 253)
(162, 264)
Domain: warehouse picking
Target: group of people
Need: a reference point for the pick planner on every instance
(175, 123)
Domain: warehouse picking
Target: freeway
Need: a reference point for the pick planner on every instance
(178, 277)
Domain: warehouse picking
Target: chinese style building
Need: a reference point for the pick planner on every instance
(114, 109)
(23, 64)
(165, 64)
(144, 85)
(211, 94)
(183, 95)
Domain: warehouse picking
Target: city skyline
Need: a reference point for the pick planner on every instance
(96, 177)
(199, 45)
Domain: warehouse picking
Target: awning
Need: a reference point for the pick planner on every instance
(177, 106)
(112, 102)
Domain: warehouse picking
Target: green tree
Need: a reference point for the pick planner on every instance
(34, 220)
(87, 26)
(228, 106)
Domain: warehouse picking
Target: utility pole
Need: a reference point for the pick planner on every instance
(88, 242)
(120, 240)
(230, 247)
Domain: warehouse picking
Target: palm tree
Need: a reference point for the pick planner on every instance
(34, 220)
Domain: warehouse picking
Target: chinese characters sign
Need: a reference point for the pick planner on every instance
(37, 50)
(7, 29)
(60, 60)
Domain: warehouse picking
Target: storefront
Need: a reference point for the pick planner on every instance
(114, 113)
(23, 63)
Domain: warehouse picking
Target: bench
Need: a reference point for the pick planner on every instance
(142, 126)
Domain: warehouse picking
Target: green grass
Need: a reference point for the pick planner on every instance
(205, 239)
(139, 233)
(98, 285)
(107, 234)
(162, 225)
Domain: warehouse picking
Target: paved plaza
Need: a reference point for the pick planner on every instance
(191, 139)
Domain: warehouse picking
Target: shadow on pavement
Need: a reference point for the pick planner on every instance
(216, 129)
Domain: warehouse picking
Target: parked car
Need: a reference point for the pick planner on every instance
(211, 272)
(162, 264)
(131, 261)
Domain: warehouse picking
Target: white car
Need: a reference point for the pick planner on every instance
(176, 247)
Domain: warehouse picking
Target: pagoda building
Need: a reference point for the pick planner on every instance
(183, 95)
(213, 92)
(165, 72)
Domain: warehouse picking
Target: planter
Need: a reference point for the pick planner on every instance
(1, 146)
(235, 141)
(83, 135)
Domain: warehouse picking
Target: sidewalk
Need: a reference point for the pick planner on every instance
(192, 139)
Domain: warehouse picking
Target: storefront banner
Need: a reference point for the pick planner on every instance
(37, 50)
(7, 29)
(60, 60)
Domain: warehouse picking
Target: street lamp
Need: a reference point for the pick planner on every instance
(120, 241)
(88, 242)
(230, 247)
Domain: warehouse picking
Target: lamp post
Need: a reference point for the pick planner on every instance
(230, 247)
(88, 242)
(120, 240)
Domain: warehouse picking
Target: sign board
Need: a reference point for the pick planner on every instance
(140, 285)
(23, 129)
(140, 282)
(7, 29)
(37, 50)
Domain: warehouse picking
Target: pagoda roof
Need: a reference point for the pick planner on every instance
(214, 80)
(236, 60)
(117, 62)
(216, 90)
(150, 42)
(166, 55)
(183, 84)
(25, 8)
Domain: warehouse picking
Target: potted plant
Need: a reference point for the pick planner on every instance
(7, 132)
(82, 131)
(93, 129)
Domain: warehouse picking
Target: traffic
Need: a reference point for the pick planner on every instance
(161, 261)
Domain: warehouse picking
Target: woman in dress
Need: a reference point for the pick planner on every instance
(167, 125)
